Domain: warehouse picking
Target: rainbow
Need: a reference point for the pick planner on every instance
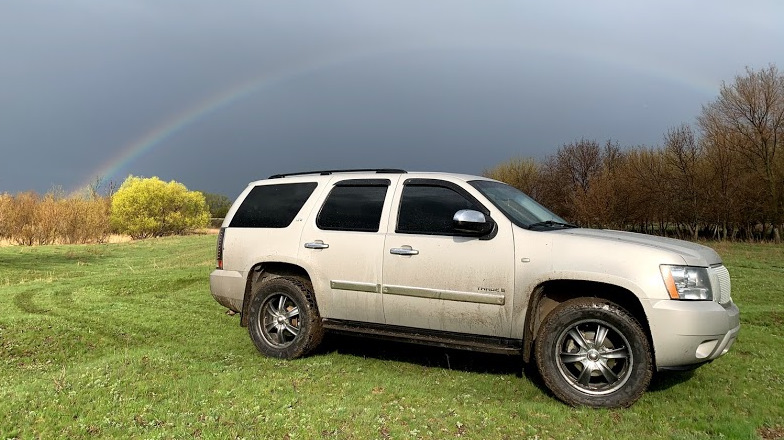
(176, 123)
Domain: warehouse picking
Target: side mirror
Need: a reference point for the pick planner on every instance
(472, 222)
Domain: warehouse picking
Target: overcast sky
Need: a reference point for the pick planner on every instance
(215, 94)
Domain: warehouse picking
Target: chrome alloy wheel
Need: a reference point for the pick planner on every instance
(594, 357)
(280, 320)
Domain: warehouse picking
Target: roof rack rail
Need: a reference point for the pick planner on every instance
(353, 170)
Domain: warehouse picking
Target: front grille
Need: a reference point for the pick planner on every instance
(725, 286)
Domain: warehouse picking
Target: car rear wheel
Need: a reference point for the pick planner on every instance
(283, 320)
(592, 352)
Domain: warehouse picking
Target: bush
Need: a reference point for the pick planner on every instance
(21, 219)
(150, 207)
(521, 173)
(6, 204)
(218, 203)
(84, 220)
(47, 215)
(29, 219)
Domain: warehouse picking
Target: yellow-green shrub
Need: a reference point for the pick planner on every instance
(150, 207)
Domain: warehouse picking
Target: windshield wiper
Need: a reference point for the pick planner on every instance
(551, 224)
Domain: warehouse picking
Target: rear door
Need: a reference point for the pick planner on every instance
(435, 278)
(342, 244)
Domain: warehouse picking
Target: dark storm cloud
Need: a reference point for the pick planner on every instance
(443, 85)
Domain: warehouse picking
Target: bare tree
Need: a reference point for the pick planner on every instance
(724, 178)
(750, 113)
(580, 162)
(644, 175)
(682, 154)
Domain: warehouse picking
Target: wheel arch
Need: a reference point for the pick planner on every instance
(266, 270)
(549, 294)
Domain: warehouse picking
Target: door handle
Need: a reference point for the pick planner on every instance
(318, 244)
(405, 250)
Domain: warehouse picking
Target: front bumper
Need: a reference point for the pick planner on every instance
(228, 288)
(691, 332)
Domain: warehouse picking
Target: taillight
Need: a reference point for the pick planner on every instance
(219, 249)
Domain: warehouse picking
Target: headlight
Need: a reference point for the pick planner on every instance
(686, 282)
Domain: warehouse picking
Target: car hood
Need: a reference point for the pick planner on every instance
(692, 253)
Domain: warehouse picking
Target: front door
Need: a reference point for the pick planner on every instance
(439, 279)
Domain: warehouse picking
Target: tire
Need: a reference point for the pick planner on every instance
(582, 370)
(283, 320)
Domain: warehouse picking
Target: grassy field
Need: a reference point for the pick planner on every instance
(124, 340)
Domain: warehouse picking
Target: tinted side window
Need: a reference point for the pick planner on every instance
(429, 210)
(272, 206)
(353, 208)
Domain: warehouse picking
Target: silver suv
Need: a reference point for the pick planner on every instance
(472, 263)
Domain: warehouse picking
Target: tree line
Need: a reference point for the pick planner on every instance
(140, 207)
(30, 219)
(723, 179)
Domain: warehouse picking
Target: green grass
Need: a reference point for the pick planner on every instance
(125, 341)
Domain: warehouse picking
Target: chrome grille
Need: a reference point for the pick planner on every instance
(725, 286)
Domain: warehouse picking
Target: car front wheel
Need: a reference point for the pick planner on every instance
(592, 352)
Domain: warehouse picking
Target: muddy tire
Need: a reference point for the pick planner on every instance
(283, 320)
(591, 352)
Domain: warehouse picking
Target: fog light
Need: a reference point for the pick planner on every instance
(706, 348)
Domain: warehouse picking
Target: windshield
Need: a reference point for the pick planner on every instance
(517, 206)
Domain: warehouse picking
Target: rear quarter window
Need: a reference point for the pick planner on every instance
(272, 206)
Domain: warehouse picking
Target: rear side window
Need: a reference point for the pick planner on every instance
(272, 206)
(353, 207)
(429, 210)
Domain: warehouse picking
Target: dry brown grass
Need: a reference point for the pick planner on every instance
(114, 238)
(111, 238)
